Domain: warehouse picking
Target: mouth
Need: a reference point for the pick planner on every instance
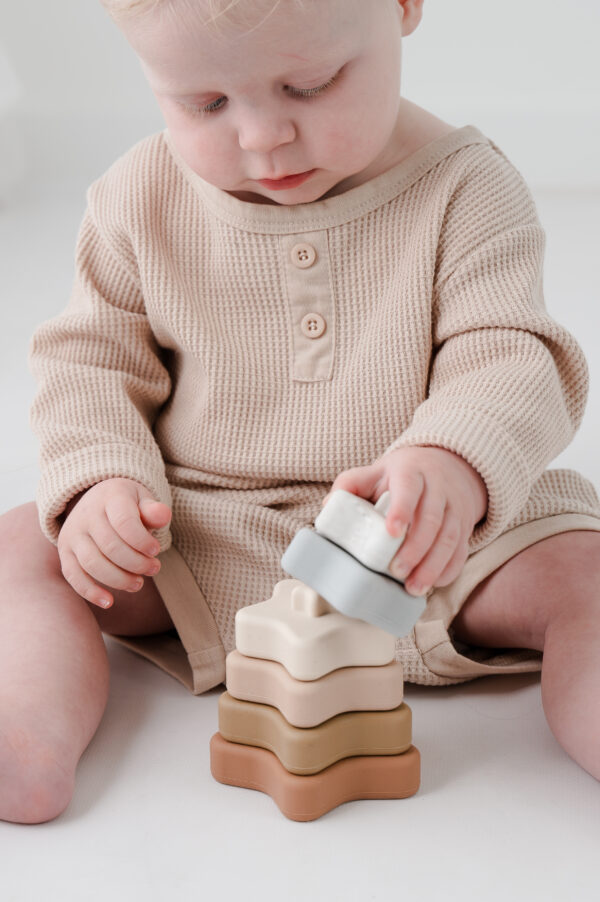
(288, 181)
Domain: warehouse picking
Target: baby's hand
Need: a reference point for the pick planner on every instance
(106, 537)
(435, 495)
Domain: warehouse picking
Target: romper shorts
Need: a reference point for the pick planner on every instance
(194, 654)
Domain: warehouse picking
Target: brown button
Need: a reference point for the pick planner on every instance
(303, 255)
(313, 325)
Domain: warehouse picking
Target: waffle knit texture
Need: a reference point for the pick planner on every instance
(187, 358)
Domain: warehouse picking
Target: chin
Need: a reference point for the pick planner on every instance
(309, 195)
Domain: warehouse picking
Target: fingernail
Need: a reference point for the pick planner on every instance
(400, 571)
(398, 529)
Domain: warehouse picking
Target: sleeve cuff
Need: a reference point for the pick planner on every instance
(66, 476)
(488, 449)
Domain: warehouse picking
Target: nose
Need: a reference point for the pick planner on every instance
(262, 131)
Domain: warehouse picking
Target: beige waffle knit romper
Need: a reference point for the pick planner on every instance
(236, 357)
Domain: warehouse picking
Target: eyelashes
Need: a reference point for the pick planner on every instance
(310, 92)
(210, 108)
(298, 93)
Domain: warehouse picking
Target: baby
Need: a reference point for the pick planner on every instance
(305, 282)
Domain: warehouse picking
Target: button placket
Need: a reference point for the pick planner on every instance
(311, 305)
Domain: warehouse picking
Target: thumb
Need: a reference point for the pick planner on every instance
(361, 481)
(154, 513)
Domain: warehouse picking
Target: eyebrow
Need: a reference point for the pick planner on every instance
(195, 95)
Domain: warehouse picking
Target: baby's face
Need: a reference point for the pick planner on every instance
(312, 89)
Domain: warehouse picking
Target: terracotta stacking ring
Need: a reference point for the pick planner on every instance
(307, 798)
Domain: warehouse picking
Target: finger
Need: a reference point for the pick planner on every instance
(82, 583)
(454, 566)
(119, 552)
(427, 520)
(427, 573)
(123, 514)
(406, 489)
(154, 514)
(362, 481)
(96, 565)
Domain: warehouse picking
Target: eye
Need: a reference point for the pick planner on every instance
(211, 107)
(300, 93)
(214, 105)
(311, 92)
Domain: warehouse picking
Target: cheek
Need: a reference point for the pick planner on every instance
(355, 138)
(209, 153)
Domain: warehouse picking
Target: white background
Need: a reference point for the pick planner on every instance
(502, 811)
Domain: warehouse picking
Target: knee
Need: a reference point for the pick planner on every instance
(18, 518)
(34, 785)
(22, 540)
(572, 569)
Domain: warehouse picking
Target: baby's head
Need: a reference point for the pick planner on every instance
(256, 90)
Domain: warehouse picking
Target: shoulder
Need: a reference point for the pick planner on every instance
(479, 160)
(486, 191)
(487, 204)
(135, 186)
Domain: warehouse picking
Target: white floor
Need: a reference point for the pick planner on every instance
(502, 812)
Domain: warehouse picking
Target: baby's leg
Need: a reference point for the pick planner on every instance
(54, 674)
(548, 598)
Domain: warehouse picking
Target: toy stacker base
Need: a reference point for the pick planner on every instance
(305, 798)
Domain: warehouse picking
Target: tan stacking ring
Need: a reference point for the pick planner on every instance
(310, 750)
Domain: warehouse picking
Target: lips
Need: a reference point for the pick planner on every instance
(288, 181)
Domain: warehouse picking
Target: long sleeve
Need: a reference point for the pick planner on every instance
(507, 385)
(100, 378)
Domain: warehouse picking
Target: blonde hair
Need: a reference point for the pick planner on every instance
(123, 10)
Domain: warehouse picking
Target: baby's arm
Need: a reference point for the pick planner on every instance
(507, 385)
(101, 379)
(106, 537)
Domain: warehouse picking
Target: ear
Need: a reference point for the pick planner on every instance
(412, 12)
